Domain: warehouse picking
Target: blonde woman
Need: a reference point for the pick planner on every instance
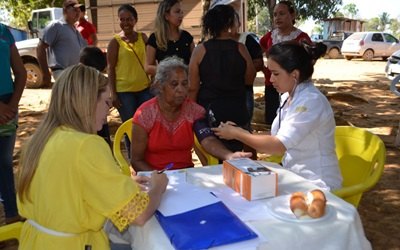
(168, 39)
(69, 182)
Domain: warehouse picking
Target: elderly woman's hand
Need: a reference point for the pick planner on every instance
(239, 154)
(227, 130)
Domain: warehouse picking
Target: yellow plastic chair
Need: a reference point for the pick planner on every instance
(11, 231)
(124, 128)
(211, 160)
(361, 156)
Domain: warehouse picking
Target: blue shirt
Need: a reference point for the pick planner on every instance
(6, 41)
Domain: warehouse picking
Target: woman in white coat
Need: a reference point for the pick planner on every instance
(304, 127)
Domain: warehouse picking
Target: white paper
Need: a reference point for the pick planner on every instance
(244, 209)
(182, 197)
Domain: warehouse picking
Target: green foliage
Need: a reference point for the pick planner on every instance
(263, 22)
(350, 10)
(373, 24)
(20, 10)
(318, 29)
(383, 20)
(395, 27)
(316, 9)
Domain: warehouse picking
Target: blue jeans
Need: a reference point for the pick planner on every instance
(7, 187)
(130, 102)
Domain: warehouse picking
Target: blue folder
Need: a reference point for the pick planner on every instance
(204, 227)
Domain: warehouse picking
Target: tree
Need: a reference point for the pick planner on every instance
(383, 20)
(373, 24)
(350, 10)
(317, 9)
(395, 27)
(20, 10)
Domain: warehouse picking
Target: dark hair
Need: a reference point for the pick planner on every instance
(290, 7)
(292, 55)
(93, 57)
(218, 19)
(130, 9)
(82, 8)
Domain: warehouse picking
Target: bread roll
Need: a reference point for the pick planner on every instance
(298, 204)
(316, 209)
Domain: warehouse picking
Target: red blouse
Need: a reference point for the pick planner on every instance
(168, 141)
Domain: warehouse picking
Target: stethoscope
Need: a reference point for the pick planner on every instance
(291, 94)
(280, 109)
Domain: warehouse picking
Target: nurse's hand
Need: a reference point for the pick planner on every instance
(227, 130)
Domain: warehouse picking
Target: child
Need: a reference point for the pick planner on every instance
(94, 57)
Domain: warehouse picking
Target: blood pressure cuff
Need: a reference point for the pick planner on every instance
(202, 129)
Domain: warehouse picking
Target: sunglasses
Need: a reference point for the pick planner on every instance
(72, 5)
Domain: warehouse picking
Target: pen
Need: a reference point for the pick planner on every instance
(168, 167)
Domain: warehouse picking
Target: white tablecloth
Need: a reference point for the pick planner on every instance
(341, 229)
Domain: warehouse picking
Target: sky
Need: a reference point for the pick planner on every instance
(372, 8)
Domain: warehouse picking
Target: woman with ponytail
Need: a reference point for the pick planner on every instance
(304, 129)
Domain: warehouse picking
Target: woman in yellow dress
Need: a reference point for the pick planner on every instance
(69, 182)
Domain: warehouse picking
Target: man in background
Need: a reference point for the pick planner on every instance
(87, 29)
(62, 41)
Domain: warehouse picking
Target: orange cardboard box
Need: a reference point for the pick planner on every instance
(250, 179)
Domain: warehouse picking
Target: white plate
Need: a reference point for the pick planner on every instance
(279, 207)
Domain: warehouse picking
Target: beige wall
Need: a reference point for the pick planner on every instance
(107, 18)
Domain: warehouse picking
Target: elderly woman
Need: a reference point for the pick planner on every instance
(69, 182)
(163, 126)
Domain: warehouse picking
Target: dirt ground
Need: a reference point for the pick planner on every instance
(360, 96)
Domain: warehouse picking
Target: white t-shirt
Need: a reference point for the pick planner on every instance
(307, 129)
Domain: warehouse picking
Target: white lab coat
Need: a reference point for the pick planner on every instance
(307, 129)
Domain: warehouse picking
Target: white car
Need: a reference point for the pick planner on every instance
(369, 45)
(393, 65)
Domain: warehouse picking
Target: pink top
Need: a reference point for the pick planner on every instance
(168, 141)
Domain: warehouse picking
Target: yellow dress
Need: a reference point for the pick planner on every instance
(76, 186)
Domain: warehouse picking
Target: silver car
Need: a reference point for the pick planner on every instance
(393, 65)
(369, 45)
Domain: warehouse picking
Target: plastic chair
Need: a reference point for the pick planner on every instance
(11, 231)
(361, 156)
(124, 128)
(211, 160)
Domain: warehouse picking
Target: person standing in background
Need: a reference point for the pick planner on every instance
(254, 48)
(94, 57)
(168, 39)
(126, 55)
(62, 41)
(87, 29)
(284, 30)
(10, 95)
(223, 67)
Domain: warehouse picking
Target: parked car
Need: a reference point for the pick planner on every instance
(334, 43)
(393, 65)
(369, 45)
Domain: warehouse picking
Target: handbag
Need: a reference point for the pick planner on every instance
(204, 227)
